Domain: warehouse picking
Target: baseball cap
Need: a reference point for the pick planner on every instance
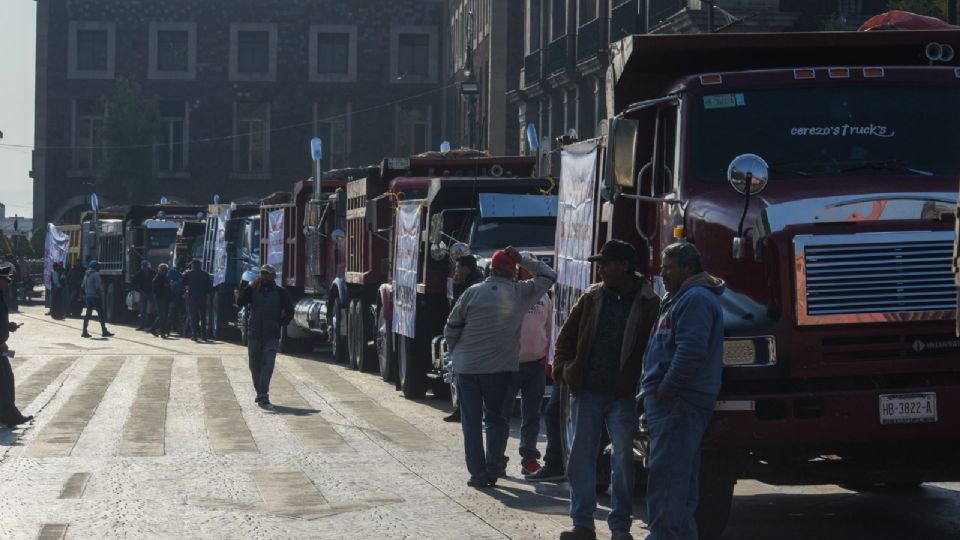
(615, 250)
(93, 264)
(503, 261)
(268, 268)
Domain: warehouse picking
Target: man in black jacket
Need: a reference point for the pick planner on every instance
(9, 414)
(270, 310)
(199, 285)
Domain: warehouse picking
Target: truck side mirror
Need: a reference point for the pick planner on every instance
(622, 152)
(371, 216)
(436, 227)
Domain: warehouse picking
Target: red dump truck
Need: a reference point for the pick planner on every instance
(817, 175)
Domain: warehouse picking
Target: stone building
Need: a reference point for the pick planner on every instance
(242, 86)
(562, 81)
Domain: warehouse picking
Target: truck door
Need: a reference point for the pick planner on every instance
(664, 181)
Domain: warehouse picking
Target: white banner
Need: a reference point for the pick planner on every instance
(55, 248)
(405, 273)
(575, 216)
(220, 259)
(275, 243)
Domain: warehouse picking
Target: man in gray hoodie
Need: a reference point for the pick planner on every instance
(681, 380)
(483, 335)
(93, 298)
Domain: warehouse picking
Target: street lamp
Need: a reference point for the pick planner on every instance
(316, 153)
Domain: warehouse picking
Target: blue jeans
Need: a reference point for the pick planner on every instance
(676, 429)
(553, 456)
(530, 381)
(93, 303)
(483, 396)
(590, 412)
(262, 355)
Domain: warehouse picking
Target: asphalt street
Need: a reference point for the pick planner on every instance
(138, 437)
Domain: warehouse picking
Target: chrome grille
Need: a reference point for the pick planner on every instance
(875, 277)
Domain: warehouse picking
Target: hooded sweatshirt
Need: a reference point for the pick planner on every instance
(93, 284)
(684, 356)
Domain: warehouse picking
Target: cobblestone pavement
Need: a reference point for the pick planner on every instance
(137, 437)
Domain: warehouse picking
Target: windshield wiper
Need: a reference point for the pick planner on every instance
(791, 167)
(897, 165)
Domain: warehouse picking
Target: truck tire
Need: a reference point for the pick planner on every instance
(366, 334)
(384, 342)
(412, 369)
(338, 321)
(353, 346)
(718, 476)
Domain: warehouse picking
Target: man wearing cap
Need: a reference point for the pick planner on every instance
(9, 413)
(93, 298)
(483, 335)
(198, 285)
(270, 309)
(599, 359)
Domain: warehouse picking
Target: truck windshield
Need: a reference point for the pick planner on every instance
(845, 131)
(521, 232)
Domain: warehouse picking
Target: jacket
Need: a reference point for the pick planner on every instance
(176, 282)
(575, 340)
(142, 281)
(93, 284)
(270, 309)
(161, 287)
(483, 329)
(4, 320)
(198, 283)
(684, 356)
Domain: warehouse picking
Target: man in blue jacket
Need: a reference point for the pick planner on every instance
(681, 379)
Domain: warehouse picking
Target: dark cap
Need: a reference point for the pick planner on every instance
(615, 250)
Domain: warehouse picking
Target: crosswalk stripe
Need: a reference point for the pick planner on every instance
(52, 531)
(314, 433)
(226, 429)
(74, 486)
(32, 386)
(143, 434)
(61, 433)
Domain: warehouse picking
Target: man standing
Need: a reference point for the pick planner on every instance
(483, 335)
(199, 285)
(599, 357)
(465, 276)
(56, 291)
(9, 413)
(270, 309)
(142, 283)
(681, 380)
(93, 299)
(535, 335)
(162, 295)
(74, 282)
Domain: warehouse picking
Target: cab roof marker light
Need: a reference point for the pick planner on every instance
(873, 73)
(711, 79)
(839, 73)
(804, 73)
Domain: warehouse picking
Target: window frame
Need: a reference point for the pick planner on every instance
(314, 64)
(235, 74)
(184, 170)
(73, 68)
(432, 55)
(246, 172)
(75, 119)
(153, 68)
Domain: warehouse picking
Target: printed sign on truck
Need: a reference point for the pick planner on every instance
(220, 259)
(405, 273)
(55, 250)
(275, 243)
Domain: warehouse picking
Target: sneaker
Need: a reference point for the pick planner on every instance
(621, 534)
(85, 334)
(579, 533)
(547, 473)
(266, 405)
(530, 466)
(107, 334)
(453, 417)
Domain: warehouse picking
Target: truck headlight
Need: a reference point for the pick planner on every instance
(749, 351)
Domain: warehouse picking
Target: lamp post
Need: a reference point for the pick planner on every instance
(316, 153)
(469, 88)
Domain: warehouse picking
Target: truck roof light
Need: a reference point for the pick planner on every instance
(710, 79)
(678, 232)
(839, 73)
(873, 73)
(804, 73)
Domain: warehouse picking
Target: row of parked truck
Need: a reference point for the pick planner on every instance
(816, 173)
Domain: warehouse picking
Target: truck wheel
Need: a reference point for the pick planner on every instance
(718, 475)
(385, 353)
(441, 390)
(353, 353)
(413, 373)
(338, 321)
(366, 335)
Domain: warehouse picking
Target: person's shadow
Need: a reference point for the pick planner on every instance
(294, 411)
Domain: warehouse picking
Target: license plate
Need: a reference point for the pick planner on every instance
(908, 408)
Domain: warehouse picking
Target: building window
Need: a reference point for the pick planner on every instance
(172, 149)
(588, 11)
(333, 53)
(331, 122)
(91, 50)
(251, 137)
(413, 129)
(533, 26)
(88, 118)
(253, 52)
(173, 51)
(413, 54)
(558, 19)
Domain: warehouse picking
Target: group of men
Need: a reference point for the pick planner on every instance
(622, 352)
(166, 291)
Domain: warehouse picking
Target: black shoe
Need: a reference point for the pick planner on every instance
(85, 334)
(548, 473)
(22, 420)
(107, 334)
(579, 533)
(453, 417)
(481, 484)
(266, 405)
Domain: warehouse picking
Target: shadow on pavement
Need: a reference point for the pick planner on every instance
(550, 500)
(293, 411)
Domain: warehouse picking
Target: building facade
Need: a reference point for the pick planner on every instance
(241, 85)
(567, 44)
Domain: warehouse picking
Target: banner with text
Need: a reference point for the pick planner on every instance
(275, 243)
(220, 259)
(405, 273)
(55, 249)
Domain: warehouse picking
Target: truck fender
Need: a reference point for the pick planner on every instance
(340, 286)
(385, 292)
